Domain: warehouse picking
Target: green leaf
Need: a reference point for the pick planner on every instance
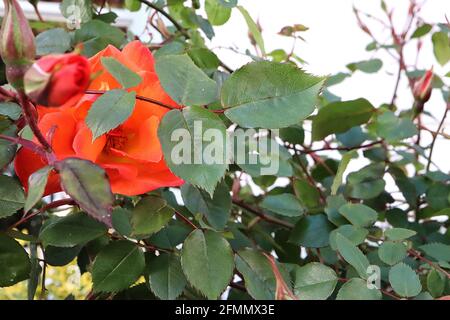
(395, 234)
(352, 255)
(121, 221)
(117, 266)
(14, 262)
(12, 197)
(285, 204)
(312, 231)
(346, 158)
(339, 117)
(404, 280)
(438, 251)
(421, 31)
(435, 283)
(441, 45)
(314, 281)
(258, 275)
(171, 236)
(388, 126)
(217, 13)
(133, 5)
(269, 95)
(186, 83)
(356, 235)
(229, 3)
(216, 209)
(201, 169)
(150, 215)
(358, 214)
(165, 276)
(207, 261)
(71, 230)
(121, 73)
(367, 66)
(11, 110)
(356, 289)
(61, 256)
(109, 111)
(253, 29)
(96, 35)
(88, 185)
(308, 194)
(334, 203)
(52, 41)
(35, 271)
(36, 182)
(392, 252)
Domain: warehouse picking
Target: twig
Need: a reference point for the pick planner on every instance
(364, 146)
(52, 205)
(262, 215)
(433, 143)
(416, 254)
(186, 220)
(26, 143)
(168, 16)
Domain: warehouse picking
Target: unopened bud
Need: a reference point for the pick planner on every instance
(17, 46)
(423, 87)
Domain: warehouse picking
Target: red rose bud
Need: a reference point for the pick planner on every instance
(17, 46)
(423, 87)
(54, 79)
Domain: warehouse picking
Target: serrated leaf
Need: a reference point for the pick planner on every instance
(435, 283)
(12, 197)
(356, 235)
(404, 280)
(150, 215)
(14, 262)
(352, 255)
(438, 251)
(180, 134)
(109, 111)
(269, 95)
(36, 182)
(259, 278)
(166, 278)
(88, 185)
(339, 117)
(217, 13)
(358, 214)
(285, 204)
(207, 261)
(121, 73)
(314, 281)
(395, 234)
(71, 230)
(356, 289)
(216, 209)
(312, 231)
(392, 252)
(117, 266)
(52, 41)
(184, 81)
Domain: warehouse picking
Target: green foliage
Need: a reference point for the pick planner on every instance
(357, 187)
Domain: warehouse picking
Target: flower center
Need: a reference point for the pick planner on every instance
(115, 139)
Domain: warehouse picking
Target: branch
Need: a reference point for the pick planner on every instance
(433, 143)
(168, 16)
(26, 144)
(417, 254)
(262, 215)
(186, 220)
(364, 146)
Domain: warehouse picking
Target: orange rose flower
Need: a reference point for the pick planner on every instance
(131, 153)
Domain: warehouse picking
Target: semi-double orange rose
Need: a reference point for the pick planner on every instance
(131, 153)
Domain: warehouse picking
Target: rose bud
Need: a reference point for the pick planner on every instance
(55, 79)
(423, 87)
(17, 46)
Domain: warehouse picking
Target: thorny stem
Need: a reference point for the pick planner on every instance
(52, 205)
(417, 255)
(186, 220)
